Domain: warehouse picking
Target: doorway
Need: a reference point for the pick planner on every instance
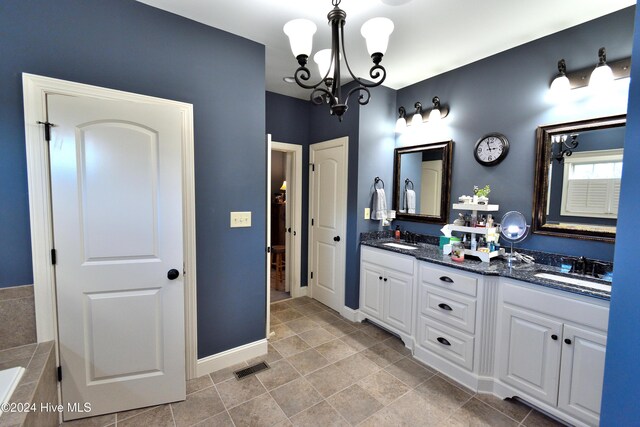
(284, 220)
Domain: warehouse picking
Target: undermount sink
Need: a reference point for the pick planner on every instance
(400, 246)
(573, 281)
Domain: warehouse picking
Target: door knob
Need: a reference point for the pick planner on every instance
(567, 341)
(554, 337)
(336, 239)
(173, 274)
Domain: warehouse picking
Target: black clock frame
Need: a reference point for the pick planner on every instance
(494, 162)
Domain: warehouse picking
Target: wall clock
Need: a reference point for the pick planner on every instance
(491, 149)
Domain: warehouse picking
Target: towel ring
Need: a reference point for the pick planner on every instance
(407, 182)
(376, 181)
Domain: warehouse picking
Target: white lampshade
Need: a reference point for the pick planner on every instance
(416, 120)
(434, 115)
(300, 33)
(601, 77)
(401, 125)
(560, 86)
(376, 32)
(323, 59)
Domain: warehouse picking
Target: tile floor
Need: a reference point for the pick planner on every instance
(326, 371)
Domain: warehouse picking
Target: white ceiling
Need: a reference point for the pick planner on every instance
(430, 36)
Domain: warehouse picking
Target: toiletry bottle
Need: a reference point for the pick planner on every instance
(397, 232)
(474, 244)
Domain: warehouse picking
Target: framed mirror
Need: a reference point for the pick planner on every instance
(422, 182)
(577, 179)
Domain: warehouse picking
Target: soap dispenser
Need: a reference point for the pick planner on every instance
(397, 232)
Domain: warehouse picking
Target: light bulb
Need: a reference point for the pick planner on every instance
(601, 77)
(416, 120)
(401, 125)
(435, 115)
(323, 59)
(300, 33)
(560, 86)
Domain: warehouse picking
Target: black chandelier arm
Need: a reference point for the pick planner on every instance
(373, 72)
(303, 74)
(318, 96)
(363, 99)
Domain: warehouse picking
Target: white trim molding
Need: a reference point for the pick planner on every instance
(232, 357)
(35, 90)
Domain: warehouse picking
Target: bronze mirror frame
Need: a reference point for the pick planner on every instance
(541, 180)
(445, 199)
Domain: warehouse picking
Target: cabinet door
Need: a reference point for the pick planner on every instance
(371, 280)
(530, 353)
(581, 373)
(398, 300)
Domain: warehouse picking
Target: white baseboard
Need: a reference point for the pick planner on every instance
(350, 314)
(231, 357)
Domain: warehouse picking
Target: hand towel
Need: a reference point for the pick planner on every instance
(410, 201)
(379, 205)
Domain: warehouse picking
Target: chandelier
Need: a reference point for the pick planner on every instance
(376, 32)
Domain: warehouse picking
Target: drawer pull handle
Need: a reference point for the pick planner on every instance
(380, 278)
(554, 337)
(445, 307)
(446, 279)
(443, 341)
(567, 341)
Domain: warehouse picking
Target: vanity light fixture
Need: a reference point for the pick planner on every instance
(401, 123)
(564, 148)
(601, 76)
(376, 32)
(438, 111)
(417, 119)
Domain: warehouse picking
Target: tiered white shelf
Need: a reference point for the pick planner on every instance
(475, 208)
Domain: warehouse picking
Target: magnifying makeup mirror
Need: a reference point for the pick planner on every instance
(514, 228)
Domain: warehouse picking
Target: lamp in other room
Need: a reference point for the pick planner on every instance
(283, 187)
(401, 123)
(602, 75)
(376, 32)
(560, 85)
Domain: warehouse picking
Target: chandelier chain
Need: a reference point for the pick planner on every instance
(335, 3)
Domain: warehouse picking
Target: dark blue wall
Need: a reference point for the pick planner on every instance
(622, 371)
(507, 93)
(123, 44)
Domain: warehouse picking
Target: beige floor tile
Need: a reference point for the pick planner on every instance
(99, 421)
(308, 309)
(302, 324)
(359, 340)
(261, 411)
(300, 301)
(324, 317)
(271, 356)
(382, 355)
(387, 417)
(280, 373)
(223, 419)
(199, 383)
(409, 372)
(329, 380)
(234, 392)
(320, 415)
(357, 367)
(159, 416)
(397, 344)
(335, 350)
(317, 336)
(121, 416)
(354, 404)
(442, 393)
(376, 332)
(226, 373)
(274, 320)
(510, 407)
(280, 331)
(198, 406)
(339, 328)
(538, 419)
(279, 306)
(287, 315)
(308, 361)
(414, 410)
(479, 414)
(290, 346)
(384, 387)
(296, 396)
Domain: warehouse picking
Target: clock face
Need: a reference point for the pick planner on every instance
(491, 149)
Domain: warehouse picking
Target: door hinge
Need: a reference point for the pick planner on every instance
(312, 222)
(47, 129)
(312, 274)
(54, 258)
(313, 167)
(268, 249)
(59, 373)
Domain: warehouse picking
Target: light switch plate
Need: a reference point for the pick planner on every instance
(367, 213)
(240, 219)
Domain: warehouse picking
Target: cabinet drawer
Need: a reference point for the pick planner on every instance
(449, 279)
(453, 345)
(450, 308)
(386, 259)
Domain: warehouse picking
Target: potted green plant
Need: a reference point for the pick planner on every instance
(480, 195)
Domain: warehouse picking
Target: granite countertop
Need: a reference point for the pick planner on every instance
(497, 267)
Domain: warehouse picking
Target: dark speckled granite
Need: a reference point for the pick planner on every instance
(497, 267)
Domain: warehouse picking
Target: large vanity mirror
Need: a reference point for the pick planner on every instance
(422, 182)
(577, 181)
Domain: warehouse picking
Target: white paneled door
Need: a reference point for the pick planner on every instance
(116, 184)
(328, 201)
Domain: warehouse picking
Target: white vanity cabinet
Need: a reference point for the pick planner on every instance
(551, 349)
(386, 289)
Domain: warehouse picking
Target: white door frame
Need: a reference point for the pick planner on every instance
(344, 143)
(268, 251)
(35, 90)
(294, 199)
